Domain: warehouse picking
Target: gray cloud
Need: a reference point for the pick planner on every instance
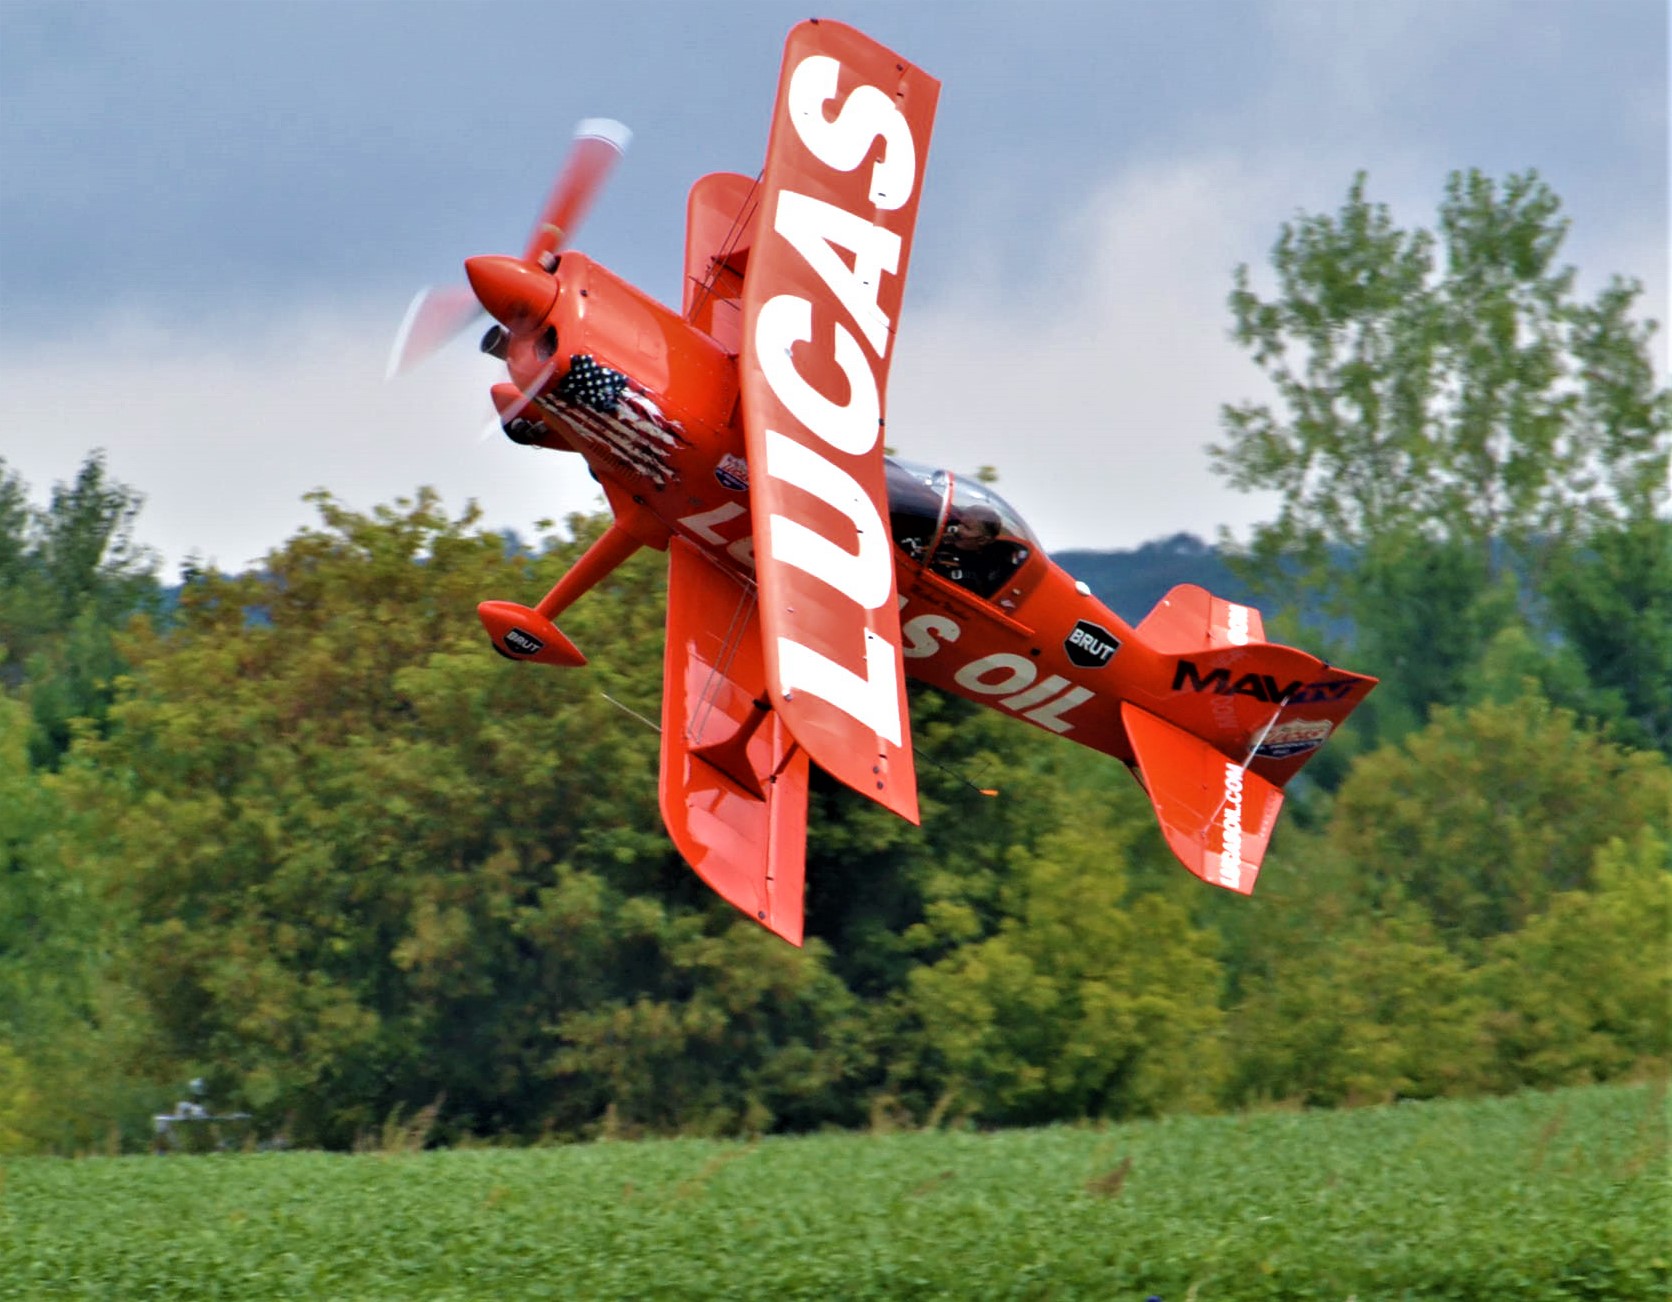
(224, 436)
(212, 216)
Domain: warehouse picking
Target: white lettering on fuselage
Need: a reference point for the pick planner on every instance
(918, 635)
(1236, 624)
(705, 524)
(1009, 677)
(816, 230)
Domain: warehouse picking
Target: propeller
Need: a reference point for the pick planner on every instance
(438, 315)
(598, 146)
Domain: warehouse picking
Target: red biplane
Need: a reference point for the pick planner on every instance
(808, 572)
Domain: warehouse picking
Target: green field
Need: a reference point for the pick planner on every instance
(1542, 1195)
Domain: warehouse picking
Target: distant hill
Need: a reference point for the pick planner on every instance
(1131, 582)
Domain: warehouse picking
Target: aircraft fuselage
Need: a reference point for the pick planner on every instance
(651, 402)
(753, 418)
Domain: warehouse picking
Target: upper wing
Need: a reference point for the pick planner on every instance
(821, 296)
(720, 221)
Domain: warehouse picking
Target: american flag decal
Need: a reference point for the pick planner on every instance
(591, 385)
(602, 407)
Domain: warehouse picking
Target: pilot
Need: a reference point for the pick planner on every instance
(972, 554)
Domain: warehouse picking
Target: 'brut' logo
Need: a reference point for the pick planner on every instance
(524, 644)
(1090, 645)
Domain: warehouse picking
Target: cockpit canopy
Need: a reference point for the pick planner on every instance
(956, 526)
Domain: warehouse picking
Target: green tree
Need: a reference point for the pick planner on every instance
(15, 522)
(1482, 909)
(737, 1032)
(1050, 991)
(1450, 416)
(1484, 815)
(66, 1019)
(70, 577)
(1584, 992)
(344, 831)
(1369, 1011)
(27, 1013)
(1612, 599)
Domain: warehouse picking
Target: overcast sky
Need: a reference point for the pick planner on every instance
(212, 216)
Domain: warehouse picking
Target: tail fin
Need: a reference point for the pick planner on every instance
(1236, 718)
(1267, 706)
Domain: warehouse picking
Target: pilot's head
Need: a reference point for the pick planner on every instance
(975, 526)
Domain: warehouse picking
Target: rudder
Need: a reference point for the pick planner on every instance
(1216, 815)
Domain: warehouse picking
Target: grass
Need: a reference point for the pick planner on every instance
(1537, 1196)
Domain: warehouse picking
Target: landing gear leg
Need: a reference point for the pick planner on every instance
(524, 633)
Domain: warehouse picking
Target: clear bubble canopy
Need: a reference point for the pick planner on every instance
(919, 494)
(956, 525)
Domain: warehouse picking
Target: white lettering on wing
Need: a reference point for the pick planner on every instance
(817, 229)
(863, 575)
(850, 254)
(871, 699)
(843, 144)
(785, 321)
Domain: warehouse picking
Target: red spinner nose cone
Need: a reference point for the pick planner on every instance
(515, 294)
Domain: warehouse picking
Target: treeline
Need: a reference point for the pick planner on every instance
(300, 834)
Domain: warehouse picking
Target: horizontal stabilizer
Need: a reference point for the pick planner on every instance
(1192, 619)
(1217, 815)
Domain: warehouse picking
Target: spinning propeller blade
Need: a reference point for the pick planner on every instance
(599, 145)
(439, 315)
